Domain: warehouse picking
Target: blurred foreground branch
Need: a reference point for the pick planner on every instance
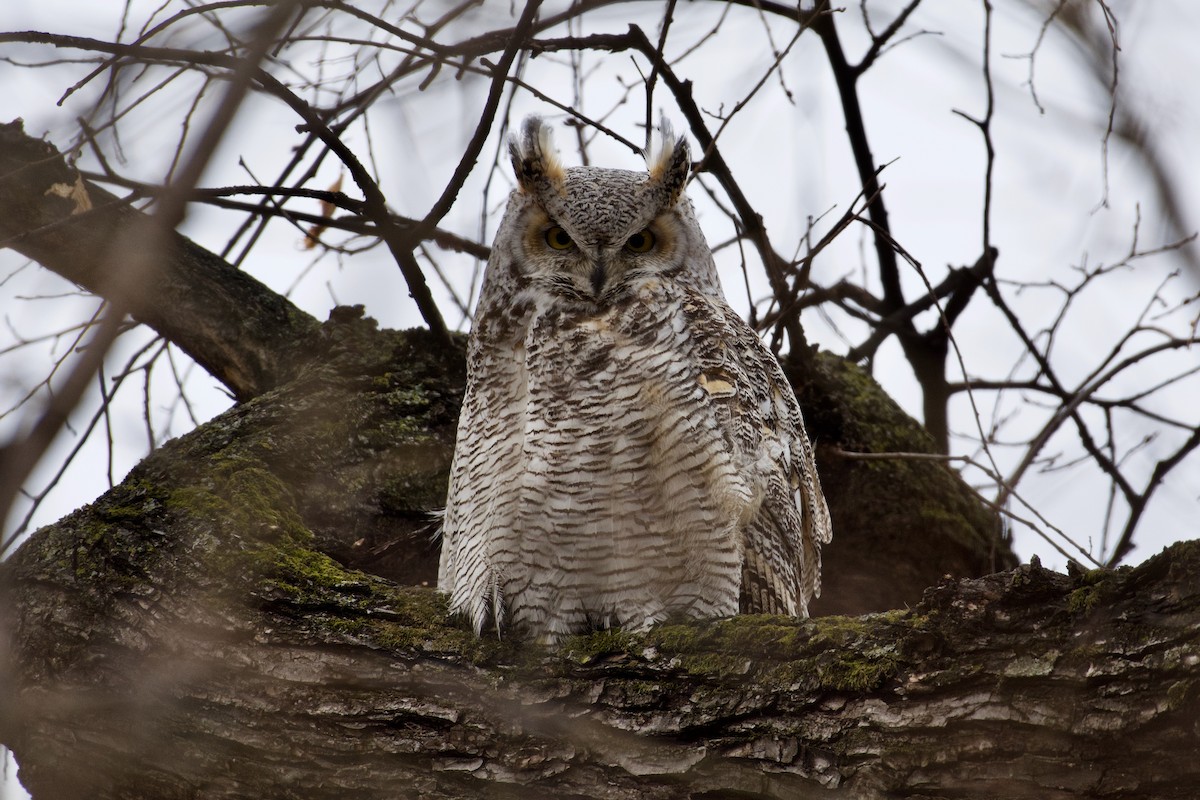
(240, 331)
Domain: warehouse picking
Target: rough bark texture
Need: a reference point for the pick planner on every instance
(240, 331)
(187, 635)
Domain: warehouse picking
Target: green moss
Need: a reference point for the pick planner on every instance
(592, 647)
(195, 502)
(859, 674)
(308, 578)
(254, 531)
(869, 417)
(274, 554)
(407, 400)
(398, 430)
(113, 542)
(900, 498)
(1083, 600)
(128, 502)
(847, 654)
(405, 620)
(1095, 586)
(850, 655)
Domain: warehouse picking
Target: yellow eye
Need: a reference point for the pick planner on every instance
(558, 239)
(641, 242)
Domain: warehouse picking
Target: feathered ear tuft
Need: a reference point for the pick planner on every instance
(669, 160)
(535, 159)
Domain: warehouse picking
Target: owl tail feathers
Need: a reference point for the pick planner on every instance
(668, 160)
(497, 609)
(535, 159)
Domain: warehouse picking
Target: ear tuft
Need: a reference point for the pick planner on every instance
(669, 160)
(535, 159)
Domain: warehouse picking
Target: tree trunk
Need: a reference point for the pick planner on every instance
(185, 636)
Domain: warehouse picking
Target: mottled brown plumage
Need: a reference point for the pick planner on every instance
(628, 449)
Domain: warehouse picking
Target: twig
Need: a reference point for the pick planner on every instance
(1002, 509)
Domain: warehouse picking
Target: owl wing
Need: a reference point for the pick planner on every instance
(765, 428)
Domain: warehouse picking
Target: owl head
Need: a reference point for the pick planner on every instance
(587, 236)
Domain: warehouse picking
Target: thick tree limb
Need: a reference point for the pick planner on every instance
(187, 635)
(190, 658)
(237, 329)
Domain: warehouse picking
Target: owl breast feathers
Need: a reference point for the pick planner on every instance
(628, 449)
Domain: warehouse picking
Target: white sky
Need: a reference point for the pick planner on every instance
(791, 160)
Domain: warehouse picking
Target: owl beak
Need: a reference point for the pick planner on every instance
(599, 275)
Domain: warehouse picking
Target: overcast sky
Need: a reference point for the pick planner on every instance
(791, 158)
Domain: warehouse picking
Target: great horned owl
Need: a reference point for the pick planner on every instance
(628, 449)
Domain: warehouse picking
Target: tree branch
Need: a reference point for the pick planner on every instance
(846, 79)
(375, 203)
(216, 651)
(49, 213)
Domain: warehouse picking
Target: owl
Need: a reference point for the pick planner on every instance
(629, 451)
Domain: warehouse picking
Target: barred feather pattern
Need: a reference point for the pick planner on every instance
(628, 450)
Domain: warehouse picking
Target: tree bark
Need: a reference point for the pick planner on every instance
(241, 332)
(187, 635)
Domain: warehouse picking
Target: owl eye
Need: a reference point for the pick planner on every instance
(558, 239)
(640, 242)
